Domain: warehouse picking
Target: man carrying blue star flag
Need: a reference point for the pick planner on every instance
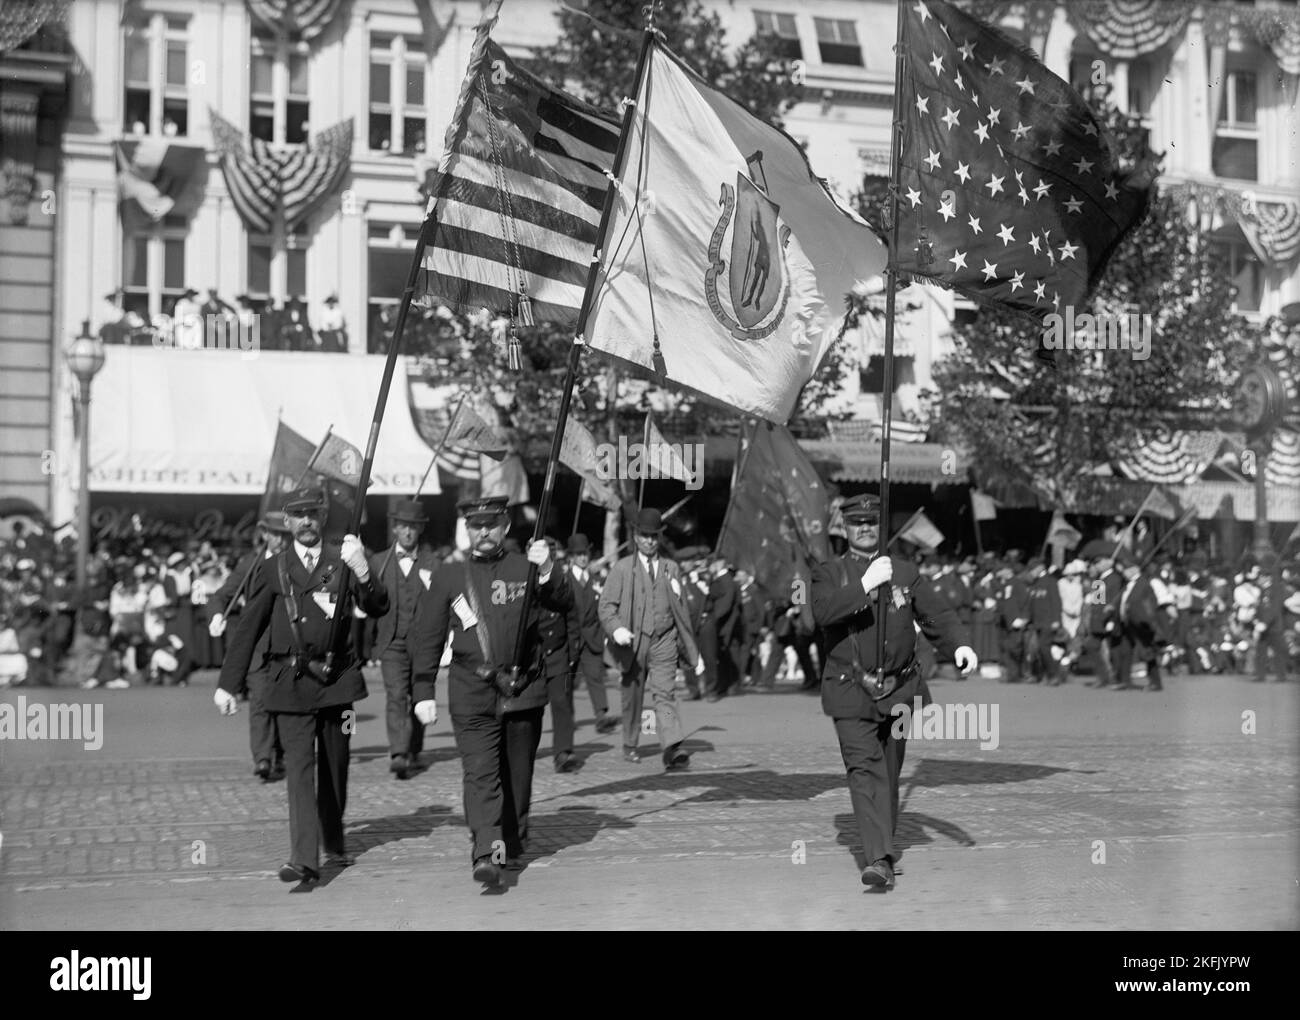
(727, 260)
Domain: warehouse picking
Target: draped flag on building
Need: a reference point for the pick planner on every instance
(727, 260)
(157, 178)
(294, 19)
(578, 453)
(1010, 192)
(776, 524)
(266, 183)
(516, 202)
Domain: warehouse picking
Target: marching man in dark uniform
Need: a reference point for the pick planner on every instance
(406, 572)
(477, 606)
(295, 595)
(845, 603)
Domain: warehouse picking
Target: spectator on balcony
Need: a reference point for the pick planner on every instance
(333, 327)
(187, 322)
(295, 332)
(113, 327)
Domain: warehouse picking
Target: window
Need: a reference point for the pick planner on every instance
(277, 275)
(1236, 135)
(391, 248)
(156, 75)
(838, 42)
(153, 268)
(278, 80)
(1239, 262)
(399, 99)
(782, 27)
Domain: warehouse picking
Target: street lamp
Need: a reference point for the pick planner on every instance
(85, 357)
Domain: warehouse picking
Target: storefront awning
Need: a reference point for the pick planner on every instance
(203, 421)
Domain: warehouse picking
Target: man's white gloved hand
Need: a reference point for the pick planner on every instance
(426, 712)
(622, 636)
(966, 660)
(539, 553)
(699, 666)
(217, 625)
(1018, 623)
(881, 571)
(353, 554)
(225, 701)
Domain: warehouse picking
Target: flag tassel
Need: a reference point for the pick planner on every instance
(514, 356)
(660, 366)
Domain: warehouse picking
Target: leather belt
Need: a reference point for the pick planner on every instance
(871, 683)
(315, 668)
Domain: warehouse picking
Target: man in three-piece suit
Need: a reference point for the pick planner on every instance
(295, 596)
(1143, 628)
(405, 571)
(584, 619)
(477, 606)
(644, 613)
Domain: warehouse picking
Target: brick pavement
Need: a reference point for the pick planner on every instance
(165, 827)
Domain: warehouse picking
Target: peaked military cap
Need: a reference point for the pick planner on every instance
(491, 506)
(863, 507)
(304, 500)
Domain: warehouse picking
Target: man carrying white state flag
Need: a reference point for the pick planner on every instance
(727, 260)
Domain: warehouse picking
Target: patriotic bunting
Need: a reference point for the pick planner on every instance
(295, 19)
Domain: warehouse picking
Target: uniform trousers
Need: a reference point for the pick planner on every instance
(873, 759)
(405, 731)
(559, 693)
(1012, 655)
(1099, 648)
(1129, 649)
(1271, 644)
(659, 676)
(591, 667)
(316, 770)
(497, 756)
(263, 734)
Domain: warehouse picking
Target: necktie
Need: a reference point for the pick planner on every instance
(309, 560)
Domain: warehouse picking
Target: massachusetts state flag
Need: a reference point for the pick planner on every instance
(1010, 193)
(726, 245)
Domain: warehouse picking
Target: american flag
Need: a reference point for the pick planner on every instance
(516, 202)
(1008, 183)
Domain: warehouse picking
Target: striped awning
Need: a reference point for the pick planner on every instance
(266, 182)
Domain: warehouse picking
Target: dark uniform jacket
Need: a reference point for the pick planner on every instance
(1145, 623)
(288, 690)
(723, 609)
(498, 584)
(1045, 607)
(425, 566)
(584, 617)
(957, 593)
(1013, 603)
(1101, 596)
(846, 616)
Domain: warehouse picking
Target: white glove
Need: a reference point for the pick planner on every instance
(699, 666)
(540, 554)
(881, 571)
(426, 712)
(622, 636)
(217, 625)
(966, 660)
(354, 555)
(225, 701)
(1018, 623)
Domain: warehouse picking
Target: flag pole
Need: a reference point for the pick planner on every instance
(645, 455)
(314, 454)
(979, 540)
(518, 682)
(342, 616)
(1119, 542)
(891, 287)
(1177, 526)
(737, 473)
(577, 511)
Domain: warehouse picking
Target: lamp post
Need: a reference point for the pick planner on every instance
(85, 357)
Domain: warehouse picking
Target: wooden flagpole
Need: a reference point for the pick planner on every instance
(738, 472)
(342, 616)
(891, 288)
(518, 681)
(645, 456)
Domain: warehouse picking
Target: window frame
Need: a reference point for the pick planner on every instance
(838, 24)
(155, 28)
(401, 52)
(277, 265)
(791, 45)
(399, 237)
(280, 51)
(159, 298)
(1230, 130)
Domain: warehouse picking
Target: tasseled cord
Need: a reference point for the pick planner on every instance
(661, 369)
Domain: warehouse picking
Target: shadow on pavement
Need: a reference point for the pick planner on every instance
(914, 830)
(371, 833)
(932, 772)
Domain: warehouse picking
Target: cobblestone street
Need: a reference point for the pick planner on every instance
(1097, 810)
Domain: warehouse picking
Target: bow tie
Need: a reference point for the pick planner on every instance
(402, 554)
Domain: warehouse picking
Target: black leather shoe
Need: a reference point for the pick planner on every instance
(565, 761)
(878, 875)
(631, 754)
(676, 759)
(608, 724)
(262, 770)
(298, 873)
(486, 871)
(400, 766)
(277, 771)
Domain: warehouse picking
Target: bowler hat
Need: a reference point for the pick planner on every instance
(578, 544)
(490, 507)
(333, 299)
(273, 520)
(408, 511)
(649, 522)
(306, 499)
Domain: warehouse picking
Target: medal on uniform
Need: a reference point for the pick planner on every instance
(462, 610)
